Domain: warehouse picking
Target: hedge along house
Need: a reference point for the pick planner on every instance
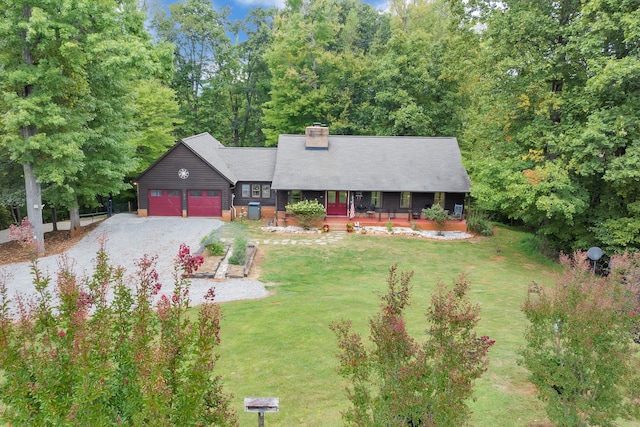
(390, 175)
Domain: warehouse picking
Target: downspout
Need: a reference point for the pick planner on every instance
(233, 208)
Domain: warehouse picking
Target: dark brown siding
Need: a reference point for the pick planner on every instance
(390, 201)
(452, 199)
(420, 201)
(164, 175)
(244, 201)
(283, 198)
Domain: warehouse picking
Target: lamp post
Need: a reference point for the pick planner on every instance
(594, 254)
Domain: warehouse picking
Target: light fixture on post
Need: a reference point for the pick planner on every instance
(594, 254)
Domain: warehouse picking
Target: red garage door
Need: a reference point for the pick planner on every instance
(165, 202)
(204, 203)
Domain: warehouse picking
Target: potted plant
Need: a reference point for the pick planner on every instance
(350, 227)
(325, 228)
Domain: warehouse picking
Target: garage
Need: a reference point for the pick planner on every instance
(204, 203)
(165, 202)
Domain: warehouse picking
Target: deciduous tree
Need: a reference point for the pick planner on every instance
(580, 348)
(555, 144)
(99, 351)
(401, 381)
(65, 105)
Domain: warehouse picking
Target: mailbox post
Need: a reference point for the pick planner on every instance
(261, 405)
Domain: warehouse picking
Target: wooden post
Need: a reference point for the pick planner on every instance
(261, 405)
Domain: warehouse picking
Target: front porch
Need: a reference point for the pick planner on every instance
(377, 219)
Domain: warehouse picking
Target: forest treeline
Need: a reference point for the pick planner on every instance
(542, 95)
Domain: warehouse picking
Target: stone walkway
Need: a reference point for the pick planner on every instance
(282, 235)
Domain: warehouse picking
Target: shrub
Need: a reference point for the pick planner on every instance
(478, 224)
(307, 212)
(580, 350)
(239, 255)
(215, 248)
(24, 234)
(97, 352)
(403, 382)
(438, 214)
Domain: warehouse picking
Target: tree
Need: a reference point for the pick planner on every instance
(156, 116)
(404, 382)
(412, 95)
(64, 82)
(298, 60)
(580, 349)
(554, 144)
(202, 47)
(234, 94)
(98, 351)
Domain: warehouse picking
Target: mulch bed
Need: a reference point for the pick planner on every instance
(55, 242)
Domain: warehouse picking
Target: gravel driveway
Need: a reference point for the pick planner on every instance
(128, 239)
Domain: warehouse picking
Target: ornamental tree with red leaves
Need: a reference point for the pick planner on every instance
(400, 381)
(24, 234)
(580, 347)
(96, 351)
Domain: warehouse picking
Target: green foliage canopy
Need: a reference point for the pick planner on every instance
(307, 212)
(580, 348)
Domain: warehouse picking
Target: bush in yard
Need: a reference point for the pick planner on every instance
(24, 235)
(580, 350)
(215, 248)
(239, 255)
(403, 382)
(307, 212)
(478, 224)
(438, 214)
(96, 351)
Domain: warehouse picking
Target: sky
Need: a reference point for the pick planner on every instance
(240, 8)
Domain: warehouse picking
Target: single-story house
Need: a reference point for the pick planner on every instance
(201, 177)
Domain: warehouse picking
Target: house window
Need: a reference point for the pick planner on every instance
(174, 193)
(438, 199)
(295, 196)
(266, 191)
(376, 198)
(255, 190)
(213, 193)
(156, 193)
(195, 193)
(405, 199)
(246, 191)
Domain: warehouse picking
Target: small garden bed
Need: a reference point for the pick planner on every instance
(242, 270)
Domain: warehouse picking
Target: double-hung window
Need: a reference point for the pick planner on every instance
(405, 199)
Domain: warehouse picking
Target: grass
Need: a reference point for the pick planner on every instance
(281, 346)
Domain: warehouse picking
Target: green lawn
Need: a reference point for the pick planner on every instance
(281, 346)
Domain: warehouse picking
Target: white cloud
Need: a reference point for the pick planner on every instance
(381, 5)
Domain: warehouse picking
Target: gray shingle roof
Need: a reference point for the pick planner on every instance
(370, 163)
(357, 163)
(234, 163)
(250, 164)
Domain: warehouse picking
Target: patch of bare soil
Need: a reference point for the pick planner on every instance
(55, 243)
(210, 263)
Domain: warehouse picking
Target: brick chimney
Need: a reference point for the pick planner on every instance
(317, 137)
